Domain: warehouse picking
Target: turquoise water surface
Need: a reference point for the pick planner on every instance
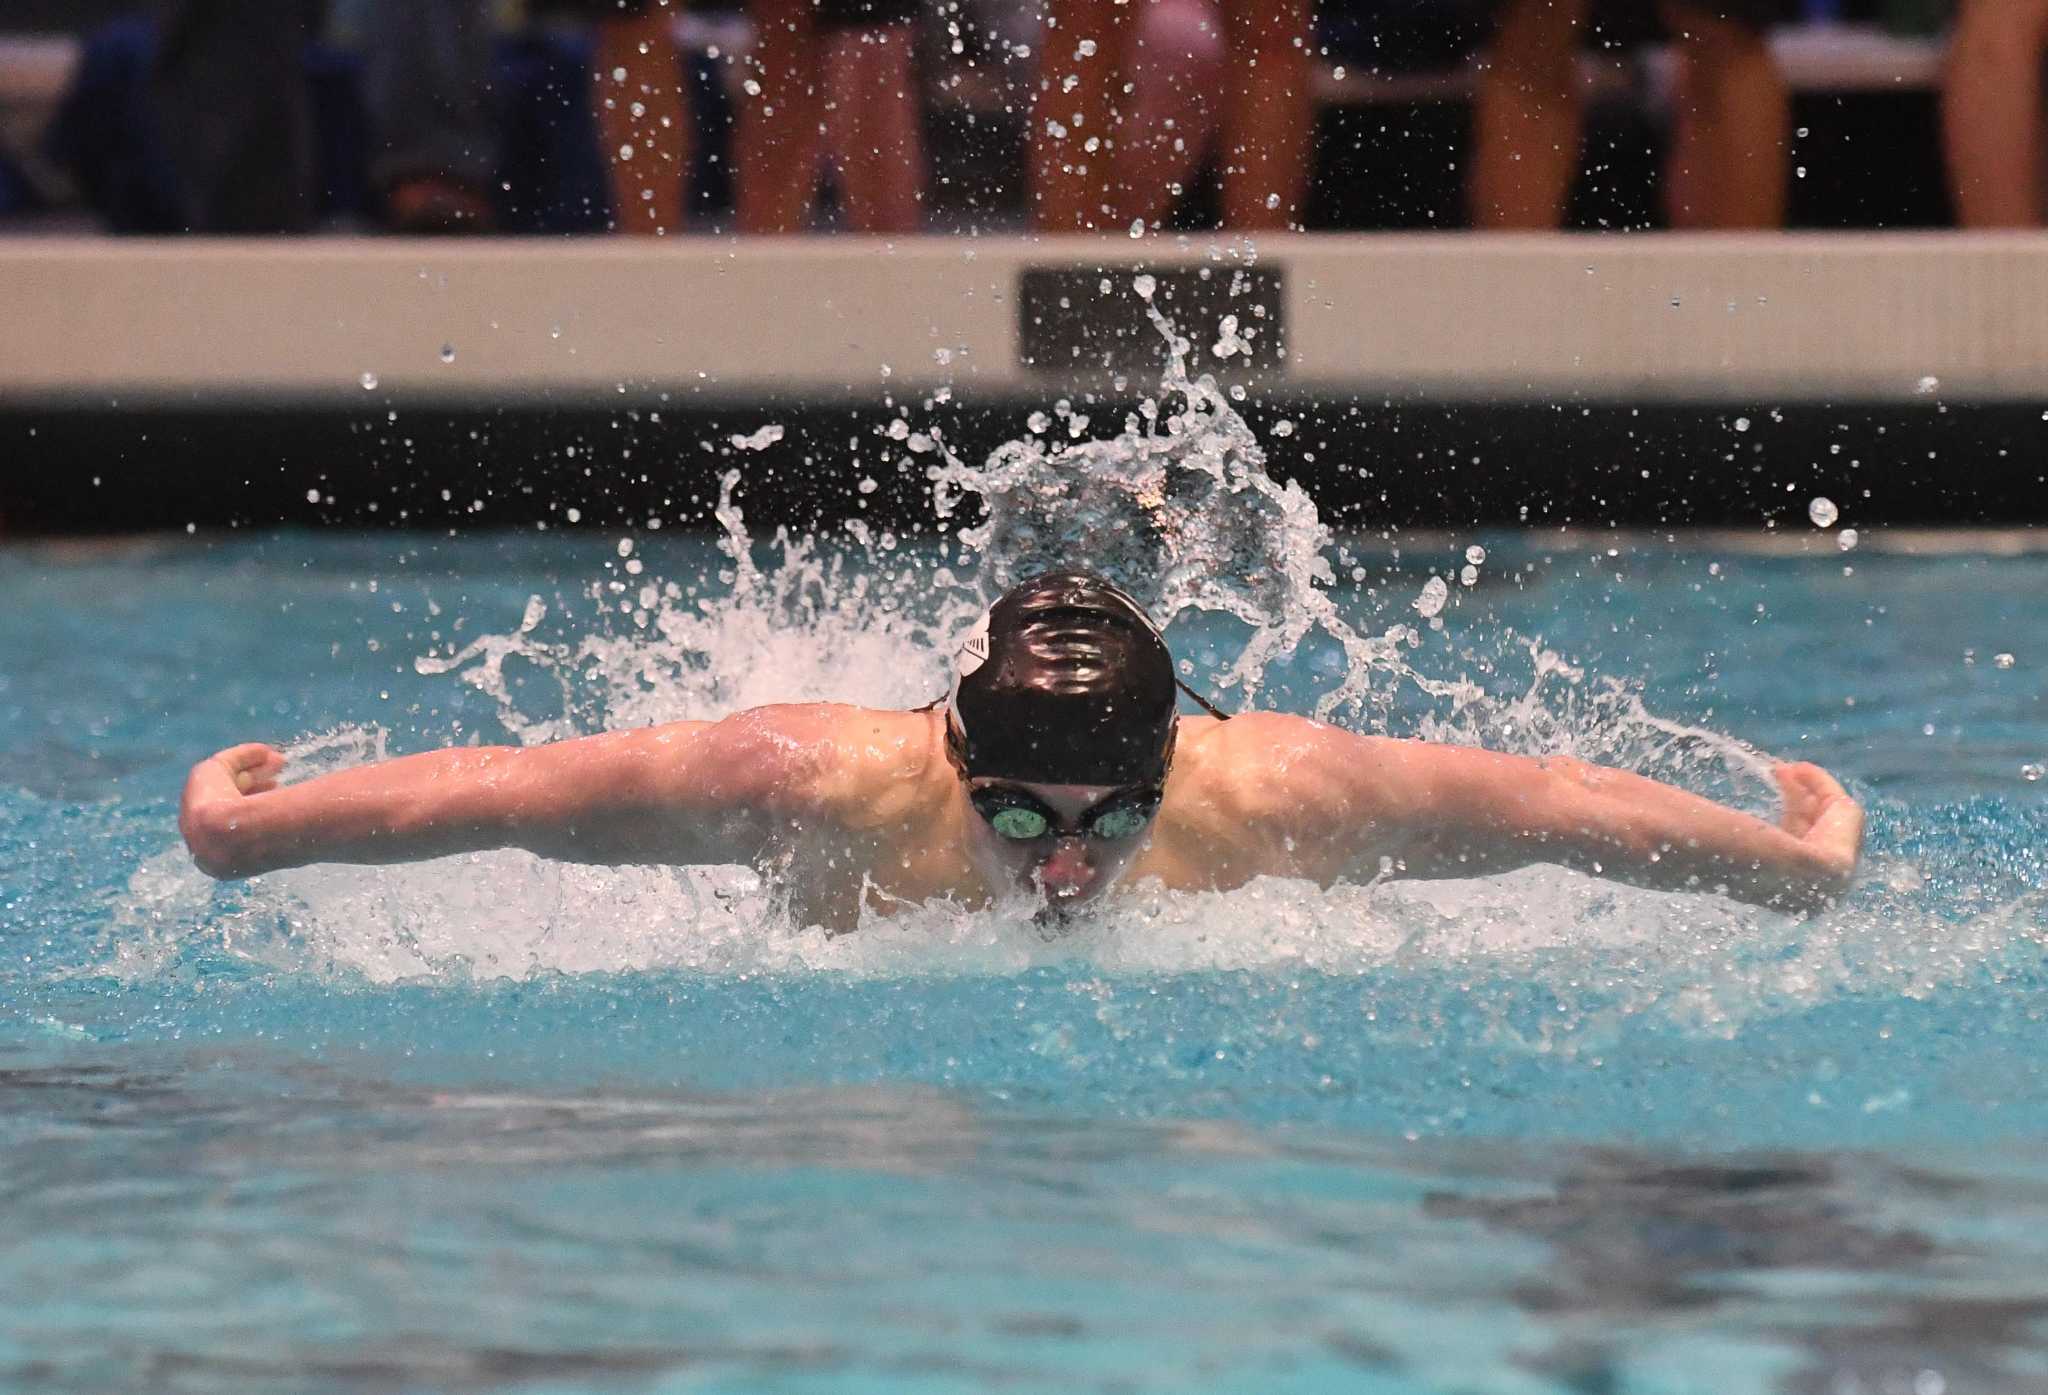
(490, 1124)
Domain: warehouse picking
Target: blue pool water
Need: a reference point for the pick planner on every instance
(491, 1124)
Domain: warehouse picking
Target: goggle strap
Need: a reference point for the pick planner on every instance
(1207, 706)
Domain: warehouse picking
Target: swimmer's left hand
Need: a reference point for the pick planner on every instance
(1822, 816)
(210, 813)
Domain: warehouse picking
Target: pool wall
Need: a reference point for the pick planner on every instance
(1676, 380)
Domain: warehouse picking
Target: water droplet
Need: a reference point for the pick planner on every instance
(1823, 512)
(312, 496)
(1272, 200)
(1802, 133)
(626, 151)
(369, 382)
(1475, 554)
(618, 74)
(2033, 770)
(1085, 49)
(1037, 423)
(1468, 574)
(573, 515)
(2003, 661)
(1435, 592)
(1137, 227)
(1928, 384)
(447, 353)
(625, 547)
(751, 88)
(1846, 539)
(1283, 427)
(1742, 423)
(867, 484)
(1799, 172)
(1144, 285)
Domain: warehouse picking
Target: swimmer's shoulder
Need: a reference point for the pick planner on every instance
(1276, 767)
(858, 766)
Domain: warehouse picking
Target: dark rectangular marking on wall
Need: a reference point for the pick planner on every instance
(1092, 321)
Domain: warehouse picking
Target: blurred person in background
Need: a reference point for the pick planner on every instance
(837, 80)
(645, 123)
(1991, 112)
(229, 90)
(1174, 109)
(433, 128)
(436, 126)
(1111, 71)
(1728, 160)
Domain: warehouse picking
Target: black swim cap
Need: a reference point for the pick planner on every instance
(1065, 681)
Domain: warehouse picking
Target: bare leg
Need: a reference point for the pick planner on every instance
(1269, 113)
(778, 142)
(1991, 113)
(1177, 68)
(647, 113)
(1073, 187)
(1728, 153)
(874, 126)
(1526, 117)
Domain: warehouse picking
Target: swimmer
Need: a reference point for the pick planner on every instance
(1057, 769)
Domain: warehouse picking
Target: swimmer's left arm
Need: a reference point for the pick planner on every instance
(1453, 811)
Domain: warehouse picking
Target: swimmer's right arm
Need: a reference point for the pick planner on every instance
(688, 792)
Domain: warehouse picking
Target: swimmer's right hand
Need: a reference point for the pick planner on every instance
(1825, 820)
(210, 816)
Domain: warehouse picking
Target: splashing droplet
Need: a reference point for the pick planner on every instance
(447, 353)
(1928, 384)
(1823, 512)
(1846, 539)
(1435, 592)
(1475, 554)
(1137, 227)
(1742, 423)
(1144, 286)
(2003, 661)
(369, 382)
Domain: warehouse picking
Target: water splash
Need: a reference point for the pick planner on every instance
(1179, 508)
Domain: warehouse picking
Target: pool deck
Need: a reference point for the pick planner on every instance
(1443, 317)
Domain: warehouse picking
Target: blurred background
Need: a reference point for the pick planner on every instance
(956, 115)
(651, 224)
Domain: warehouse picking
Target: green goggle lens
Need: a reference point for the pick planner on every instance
(1020, 824)
(1118, 824)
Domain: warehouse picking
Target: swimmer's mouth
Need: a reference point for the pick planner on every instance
(1054, 921)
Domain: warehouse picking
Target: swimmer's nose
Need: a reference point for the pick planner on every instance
(1069, 871)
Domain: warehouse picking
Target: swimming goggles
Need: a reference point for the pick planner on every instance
(1020, 818)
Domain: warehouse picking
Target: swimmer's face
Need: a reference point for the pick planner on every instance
(1068, 842)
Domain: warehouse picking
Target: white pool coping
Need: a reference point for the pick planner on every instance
(1455, 316)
